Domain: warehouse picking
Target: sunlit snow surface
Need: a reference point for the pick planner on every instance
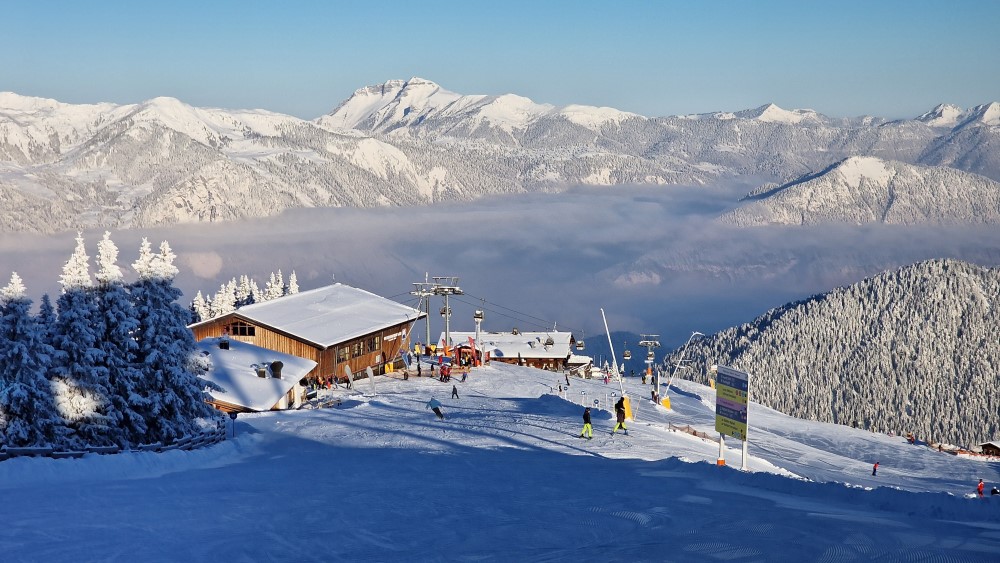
(505, 478)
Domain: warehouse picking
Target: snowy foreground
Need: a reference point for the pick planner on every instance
(505, 477)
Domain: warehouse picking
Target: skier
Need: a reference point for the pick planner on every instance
(979, 489)
(875, 468)
(434, 405)
(620, 414)
(454, 392)
(588, 430)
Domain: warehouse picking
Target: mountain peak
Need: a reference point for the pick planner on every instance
(771, 113)
(987, 114)
(943, 115)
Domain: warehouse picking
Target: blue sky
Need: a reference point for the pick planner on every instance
(845, 58)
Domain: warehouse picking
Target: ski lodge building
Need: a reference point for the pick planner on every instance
(336, 326)
(248, 378)
(549, 350)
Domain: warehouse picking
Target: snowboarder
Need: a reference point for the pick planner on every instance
(454, 392)
(979, 489)
(875, 468)
(588, 430)
(620, 414)
(434, 405)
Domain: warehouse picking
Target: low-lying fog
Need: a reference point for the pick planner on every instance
(653, 257)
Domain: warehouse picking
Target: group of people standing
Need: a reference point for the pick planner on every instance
(588, 429)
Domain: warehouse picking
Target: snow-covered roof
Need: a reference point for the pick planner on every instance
(527, 344)
(329, 315)
(235, 371)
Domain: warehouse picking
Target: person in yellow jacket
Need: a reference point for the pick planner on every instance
(588, 430)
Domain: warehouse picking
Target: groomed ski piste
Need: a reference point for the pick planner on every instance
(505, 477)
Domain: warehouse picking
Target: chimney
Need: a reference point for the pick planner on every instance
(276, 369)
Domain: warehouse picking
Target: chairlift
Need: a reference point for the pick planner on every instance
(549, 341)
(627, 355)
(650, 355)
(579, 344)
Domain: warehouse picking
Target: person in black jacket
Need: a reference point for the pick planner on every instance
(588, 430)
(620, 415)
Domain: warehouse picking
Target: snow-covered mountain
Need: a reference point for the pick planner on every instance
(66, 166)
(910, 350)
(862, 190)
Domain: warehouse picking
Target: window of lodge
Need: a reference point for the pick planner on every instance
(373, 344)
(240, 328)
(357, 349)
(343, 353)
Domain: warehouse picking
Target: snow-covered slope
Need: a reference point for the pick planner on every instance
(505, 478)
(872, 354)
(861, 190)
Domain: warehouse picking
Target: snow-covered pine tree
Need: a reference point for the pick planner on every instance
(293, 284)
(243, 293)
(120, 324)
(273, 289)
(27, 415)
(79, 372)
(165, 343)
(199, 309)
(224, 301)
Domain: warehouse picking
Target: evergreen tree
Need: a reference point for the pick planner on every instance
(79, 372)
(120, 348)
(165, 344)
(199, 309)
(27, 414)
(293, 284)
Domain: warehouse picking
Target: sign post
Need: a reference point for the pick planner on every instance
(732, 393)
(232, 416)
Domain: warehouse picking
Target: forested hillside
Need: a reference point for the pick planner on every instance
(913, 350)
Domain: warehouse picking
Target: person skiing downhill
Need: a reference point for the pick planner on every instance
(436, 407)
(875, 468)
(588, 430)
(979, 488)
(454, 392)
(620, 415)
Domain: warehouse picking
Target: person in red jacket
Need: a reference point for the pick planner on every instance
(979, 489)
(875, 468)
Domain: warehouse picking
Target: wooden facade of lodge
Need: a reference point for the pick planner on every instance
(334, 326)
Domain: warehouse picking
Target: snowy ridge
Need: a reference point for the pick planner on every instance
(861, 190)
(415, 102)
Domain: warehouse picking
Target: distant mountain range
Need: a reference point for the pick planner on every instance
(65, 166)
(911, 350)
